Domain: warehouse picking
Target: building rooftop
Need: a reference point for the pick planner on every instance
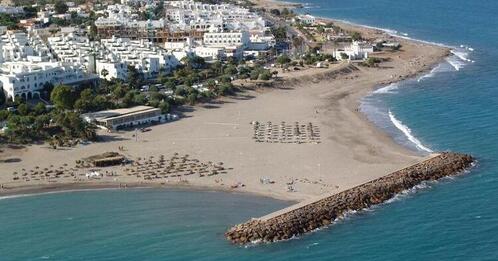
(109, 114)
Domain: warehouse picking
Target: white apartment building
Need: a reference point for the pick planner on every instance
(261, 42)
(226, 39)
(109, 70)
(19, 46)
(141, 54)
(110, 58)
(356, 51)
(307, 19)
(26, 79)
(73, 49)
(124, 15)
(210, 53)
(200, 16)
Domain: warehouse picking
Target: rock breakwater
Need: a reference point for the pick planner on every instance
(322, 212)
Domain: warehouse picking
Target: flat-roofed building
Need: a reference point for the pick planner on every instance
(26, 79)
(122, 118)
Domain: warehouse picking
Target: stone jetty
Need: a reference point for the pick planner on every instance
(307, 217)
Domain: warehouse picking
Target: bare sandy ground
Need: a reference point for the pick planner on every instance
(352, 151)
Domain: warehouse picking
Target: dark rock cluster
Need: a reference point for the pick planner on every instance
(323, 212)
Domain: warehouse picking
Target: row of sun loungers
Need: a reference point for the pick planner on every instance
(286, 133)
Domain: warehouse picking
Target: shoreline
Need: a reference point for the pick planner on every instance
(404, 154)
(36, 190)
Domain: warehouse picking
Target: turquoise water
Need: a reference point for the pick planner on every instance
(455, 219)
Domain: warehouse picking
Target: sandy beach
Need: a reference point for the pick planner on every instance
(348, 152)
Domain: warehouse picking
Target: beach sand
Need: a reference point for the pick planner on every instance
(351, 150)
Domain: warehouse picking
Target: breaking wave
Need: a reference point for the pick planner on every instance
(387, 89)
(430, 74)
(407, 132)
(460, 57)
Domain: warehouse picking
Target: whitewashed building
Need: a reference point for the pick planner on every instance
(355, 51)
(26, 79)
(111, 70)
(73, 49)
(19, 46)
(210, 53)
(226, 39)
(307, 19)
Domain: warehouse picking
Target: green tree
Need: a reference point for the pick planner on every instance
(192, 98)
(170, 84)
(23, 109)
(283, 59)
(39, 109)
(254, 75)
(139, 99)
(41, 122)
(230, 70)
(10, 21)
(225, 89)
(265, 76)
(73, 126)
(211, 84)
(159, 10)
(280, 33)
(128, 99)
(372, 61)
(165, 107)
(61, 7)
(4, 114)
(100, 103)
(85, 102)
(2, 98)
(225, 78)
(135, 78)
(62, 97)
(356, 36)
(20, 129)
(118, 92)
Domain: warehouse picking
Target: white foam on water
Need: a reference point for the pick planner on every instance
(407, 132)
(387, 89)
(462, 55)
(430, 74)
(15, 196)
(407, 192)
(61, 191)
(455, 63)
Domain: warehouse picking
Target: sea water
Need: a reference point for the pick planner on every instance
(453, 107)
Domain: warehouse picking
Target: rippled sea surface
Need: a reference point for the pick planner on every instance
(455, 107)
